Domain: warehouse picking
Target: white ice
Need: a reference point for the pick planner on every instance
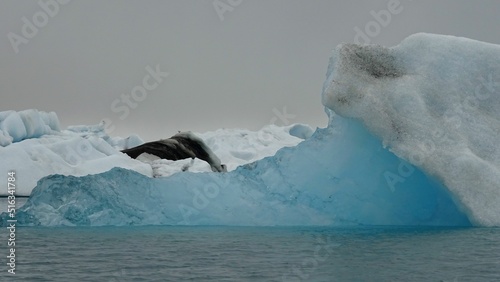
(434, 101)
(88, 149)
(17, 126)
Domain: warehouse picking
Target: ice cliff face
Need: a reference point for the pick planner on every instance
(411, 141)
(435, 102)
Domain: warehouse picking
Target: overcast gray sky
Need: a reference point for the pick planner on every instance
(230, 63)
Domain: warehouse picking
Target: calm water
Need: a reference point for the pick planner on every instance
(254, 254)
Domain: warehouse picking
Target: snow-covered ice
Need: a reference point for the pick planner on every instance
(17, 126)
(87, 149)
(412, 140)
(77, 151)
(434, 101)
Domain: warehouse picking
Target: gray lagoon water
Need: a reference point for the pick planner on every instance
(167, 253)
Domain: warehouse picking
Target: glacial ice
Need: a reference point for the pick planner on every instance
(434, 101)
(17, 126)
(412, 140)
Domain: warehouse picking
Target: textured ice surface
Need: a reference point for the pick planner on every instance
(234, 147)
(241, 146)
(17, 126)
(80, 150)
(435, 102)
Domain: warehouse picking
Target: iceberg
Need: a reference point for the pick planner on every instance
(410, 141)
(17, 126)
(434, 101)
(37, 147)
